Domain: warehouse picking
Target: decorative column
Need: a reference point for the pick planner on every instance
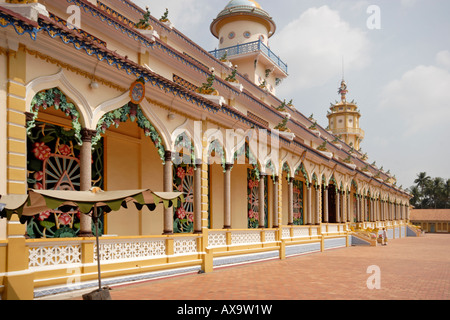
(198, 197)
(290, 201)
(261, 201)
(372, 209)
(338, 206)
(17, 279)
(357, 207)
(168, 187)
(227, 197)
(86, 177)
(309, 204)
(344, 207)
(389, 210)
(349, 209)
(375, 209)
(379, 210)
(386, 211)
(317, 215)
(365, 213)
(325, 204)
(275, 202)
(396, 211)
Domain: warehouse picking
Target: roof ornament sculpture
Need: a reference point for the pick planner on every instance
(144, 23)
(207, 87)
(282, 126)
(165, 16)
(232, 76)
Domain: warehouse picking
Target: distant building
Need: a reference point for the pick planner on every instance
(431, 220)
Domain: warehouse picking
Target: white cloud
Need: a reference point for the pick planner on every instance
(443, 58)
(420, 100)
(313, 47)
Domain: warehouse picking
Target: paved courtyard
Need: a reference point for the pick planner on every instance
(406, 269)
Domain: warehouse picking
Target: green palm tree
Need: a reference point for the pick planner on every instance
(415, 200)
(436, 190)
(422, 180)
(447, 194)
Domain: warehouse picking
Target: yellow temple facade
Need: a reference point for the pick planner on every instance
(104, 94)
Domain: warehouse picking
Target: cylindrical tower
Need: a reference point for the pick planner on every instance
(242, 21)
(343, 119)
(243, 29)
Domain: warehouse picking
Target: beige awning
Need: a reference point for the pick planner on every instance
(37, 201)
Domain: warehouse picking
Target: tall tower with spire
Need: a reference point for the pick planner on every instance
(243, 29)
(343, 119)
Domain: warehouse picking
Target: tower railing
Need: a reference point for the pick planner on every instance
(250, 47)
(357, 131)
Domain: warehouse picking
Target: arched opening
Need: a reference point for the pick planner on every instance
(183, 181)
(286, 175)
(134, 156)
(299, 195)
(216, 173)
(53, 160)
(332, 200)
(353, 209)
(256, 205)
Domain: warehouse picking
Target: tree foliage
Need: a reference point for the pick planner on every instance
(430, 193)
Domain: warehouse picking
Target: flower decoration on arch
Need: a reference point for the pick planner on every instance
(134, 113)
(55, 98)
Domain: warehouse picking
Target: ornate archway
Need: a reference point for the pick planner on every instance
(53, 159)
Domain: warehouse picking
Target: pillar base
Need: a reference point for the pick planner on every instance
(85, 235)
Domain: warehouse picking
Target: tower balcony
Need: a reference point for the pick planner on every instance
(251, 47)
(352, 131)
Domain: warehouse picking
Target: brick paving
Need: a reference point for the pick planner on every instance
(410, 269)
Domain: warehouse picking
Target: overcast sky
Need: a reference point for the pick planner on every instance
(397, 69)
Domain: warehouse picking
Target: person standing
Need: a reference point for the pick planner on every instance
(385, 238)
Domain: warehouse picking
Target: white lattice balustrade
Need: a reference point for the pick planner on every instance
(217, 239)
(301, 232)
(332, 228)
(58, 254)
(245, 237)
(285, 233)
(185, 246)
(270, 236)
(130, 250)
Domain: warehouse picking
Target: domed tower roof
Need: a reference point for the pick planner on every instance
(241, 10)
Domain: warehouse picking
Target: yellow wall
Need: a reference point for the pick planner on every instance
(284, 209)
(152, 178)
(217, 189)
(239, 197)
(132, 162)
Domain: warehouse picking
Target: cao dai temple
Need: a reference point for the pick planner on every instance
(104, 94)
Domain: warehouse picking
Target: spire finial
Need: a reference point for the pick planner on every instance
(343, 91)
